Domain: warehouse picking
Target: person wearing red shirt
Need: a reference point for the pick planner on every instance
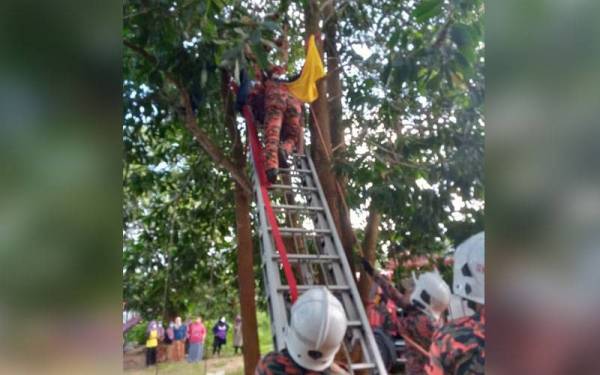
(196, 334)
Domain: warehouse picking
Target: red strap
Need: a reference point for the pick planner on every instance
(259, 167)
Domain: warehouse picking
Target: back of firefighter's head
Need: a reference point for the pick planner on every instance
(469, 270)
(317, 327)
(431, 294)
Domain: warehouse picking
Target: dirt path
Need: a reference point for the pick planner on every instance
(134, 364)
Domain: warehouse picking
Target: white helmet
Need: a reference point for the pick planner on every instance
(431, 294)
(458, 309)
(317, 328)
(469, 269)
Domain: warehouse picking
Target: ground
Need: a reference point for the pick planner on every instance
(134, 364)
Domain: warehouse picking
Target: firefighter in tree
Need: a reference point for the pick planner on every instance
(276, 102)
(458, 348)
(423, 309)
(277, 108)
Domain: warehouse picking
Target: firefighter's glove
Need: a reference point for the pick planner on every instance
(367, 266)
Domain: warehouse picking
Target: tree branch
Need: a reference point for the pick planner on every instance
(191, 124)
(145, 54)
(209, 147)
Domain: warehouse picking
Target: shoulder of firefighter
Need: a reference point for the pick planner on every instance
(417, 325)
(459, 347)
(280, 363)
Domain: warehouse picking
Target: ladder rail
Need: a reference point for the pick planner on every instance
(330, 258)
(278, 315)
(349, 277)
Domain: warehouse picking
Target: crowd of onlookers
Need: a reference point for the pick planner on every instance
(186, 340)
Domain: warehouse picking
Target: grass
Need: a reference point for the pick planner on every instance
(223, 365)
(265, 340)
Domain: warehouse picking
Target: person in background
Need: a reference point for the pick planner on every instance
(317, 327)
(196, 334)
(237, 334)
(152, 336)
(168, 341)
(220, 335)
(188, 322)
(179, 336)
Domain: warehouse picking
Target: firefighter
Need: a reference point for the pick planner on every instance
(384, 322)
(317, 327)
(379, 315)
(459, 346)
(423, 309)
(277, 109)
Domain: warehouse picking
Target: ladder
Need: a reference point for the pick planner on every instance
(316, 255)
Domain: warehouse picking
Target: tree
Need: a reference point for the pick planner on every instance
(174, 84)
(414, 104)
(398, 134)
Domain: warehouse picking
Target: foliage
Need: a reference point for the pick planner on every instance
(414, 104)
(178, 211)
(413, 100)
(137, 334)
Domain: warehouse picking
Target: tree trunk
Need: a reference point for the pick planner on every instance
(246, 280)
(321, 134)
(337, 128)
(244, 239)
(334, 84)
(369, 247)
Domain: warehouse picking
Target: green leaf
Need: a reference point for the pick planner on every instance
(385, 74)
(427, 9)
(462, 61)
(209, 30)
(461, 35)
(434, 82)
(261, 55)
(273, 26)
(394, 39)
(231, 54)
(255, 36)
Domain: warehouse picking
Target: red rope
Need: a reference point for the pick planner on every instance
(256, 149)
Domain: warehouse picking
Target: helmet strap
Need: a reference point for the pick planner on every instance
(472, 305)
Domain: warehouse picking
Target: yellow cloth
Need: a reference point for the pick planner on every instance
(305, 87)
(152, 341)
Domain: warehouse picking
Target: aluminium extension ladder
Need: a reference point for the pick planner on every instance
(316, 256)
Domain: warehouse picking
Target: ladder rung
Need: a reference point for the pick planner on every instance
(354, 323)
(362, 366)
(290, 187)
(311, 257)
(296, 207)
(304, 288)
(302, 230)
(300, 235)
(288, 170)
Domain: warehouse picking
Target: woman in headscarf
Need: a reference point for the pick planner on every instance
(152, 336)
(179, 335)
(196, 333)
(237, 334)
(220, 331)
